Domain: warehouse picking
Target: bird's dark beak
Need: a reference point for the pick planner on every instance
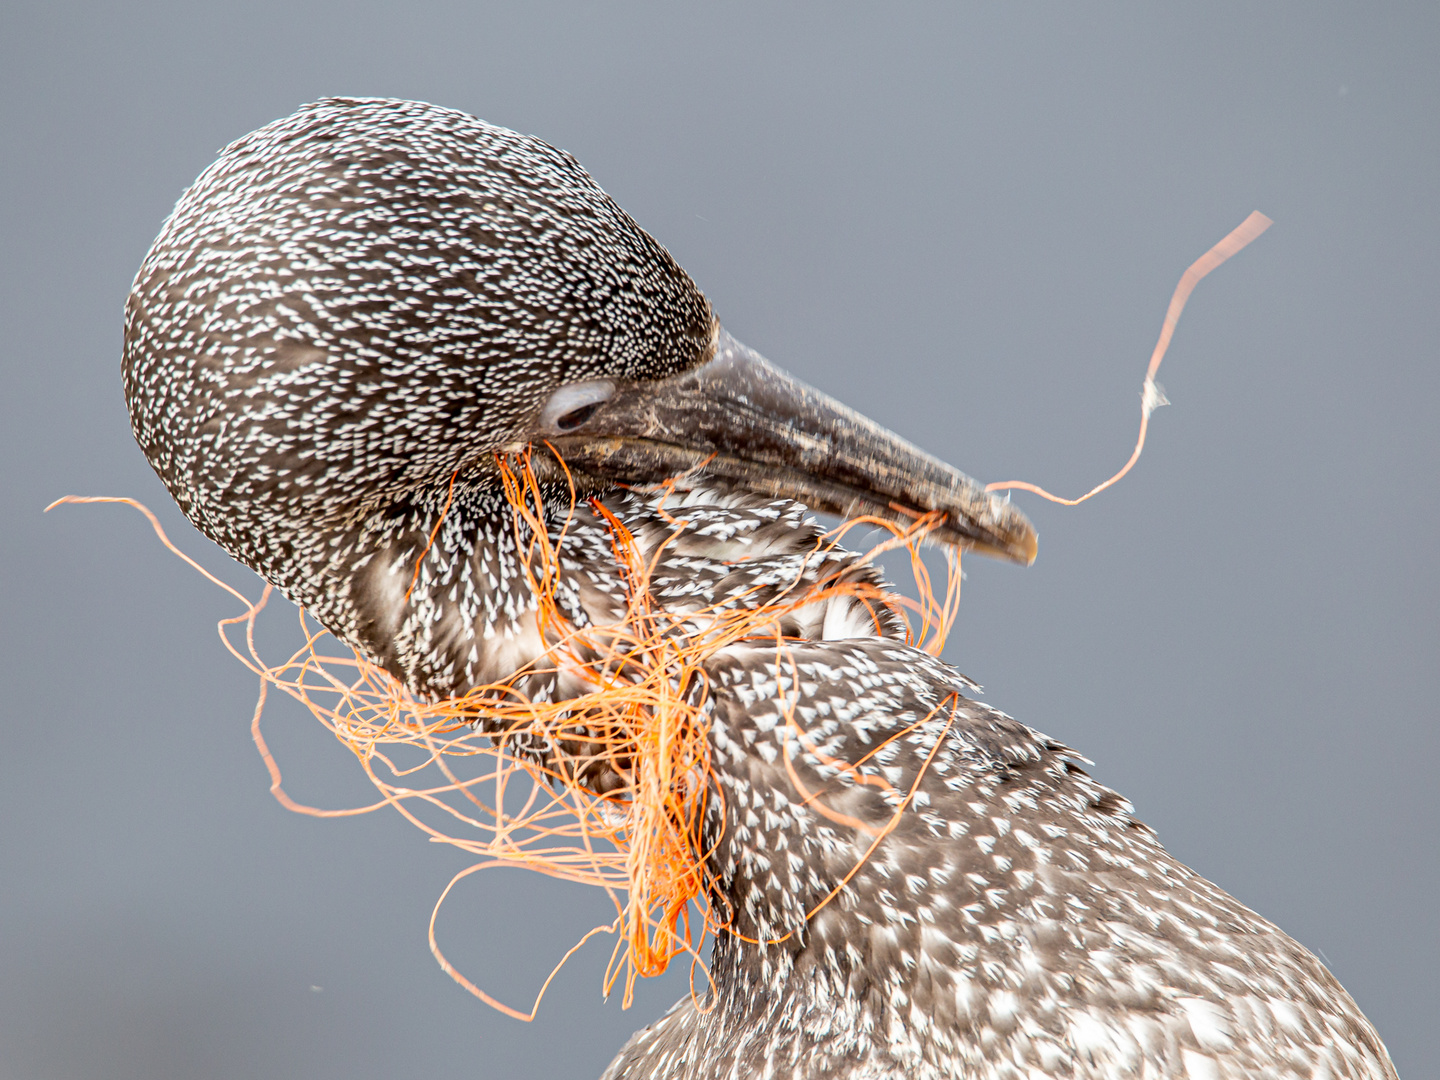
(742, 420)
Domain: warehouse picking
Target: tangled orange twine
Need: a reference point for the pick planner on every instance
(468, 762)
(644, 720)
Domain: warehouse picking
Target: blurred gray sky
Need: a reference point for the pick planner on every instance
(965, 221)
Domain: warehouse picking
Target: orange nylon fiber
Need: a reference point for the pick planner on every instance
(1151, 397)
(644, 719)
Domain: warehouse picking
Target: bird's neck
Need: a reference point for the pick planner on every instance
(831, 761)
(438, 586)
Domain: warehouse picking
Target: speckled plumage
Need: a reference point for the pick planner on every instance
(342, 322)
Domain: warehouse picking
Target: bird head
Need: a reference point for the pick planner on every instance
(370, 297)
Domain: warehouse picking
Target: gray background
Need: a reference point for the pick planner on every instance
(966, 222)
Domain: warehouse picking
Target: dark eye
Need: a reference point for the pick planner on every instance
(575, 417)
(573, 404)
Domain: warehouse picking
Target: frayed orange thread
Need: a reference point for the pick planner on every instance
(1151, 396)
(430, 540)
(645, 719)
(643, 843)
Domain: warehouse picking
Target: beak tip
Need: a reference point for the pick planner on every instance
(1030, 548)
(1020, 549)
(1015, 539)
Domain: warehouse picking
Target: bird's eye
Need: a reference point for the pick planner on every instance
(572, 405)
(571, 420)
